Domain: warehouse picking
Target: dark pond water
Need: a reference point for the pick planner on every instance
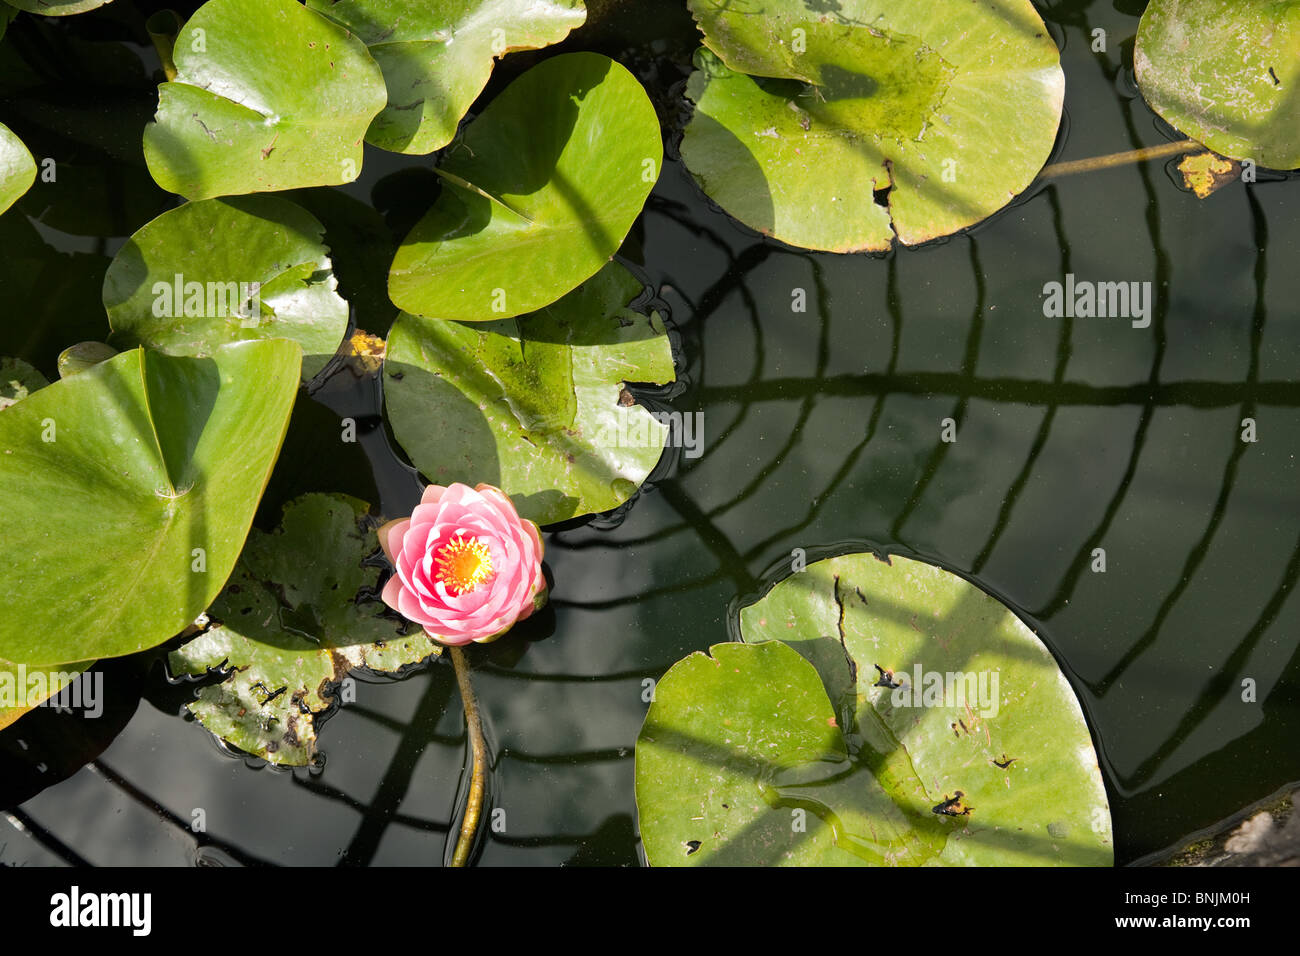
(821, 431)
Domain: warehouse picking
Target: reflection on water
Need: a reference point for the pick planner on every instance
(1072, 435)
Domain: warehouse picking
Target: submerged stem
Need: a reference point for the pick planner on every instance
(478, 756)
(1119, 159)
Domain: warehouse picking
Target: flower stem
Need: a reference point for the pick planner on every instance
(163, 28)
(1119, 159)
(478, 756)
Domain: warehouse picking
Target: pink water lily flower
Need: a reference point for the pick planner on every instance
(468, 567)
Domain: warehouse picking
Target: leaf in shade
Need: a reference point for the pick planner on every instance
(300, 612)
(78, 98)
(18, 380)
(83, 355)
(55, 8)
(361, 249)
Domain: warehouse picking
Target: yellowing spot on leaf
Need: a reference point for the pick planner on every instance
(365, 353)
(1205, 173)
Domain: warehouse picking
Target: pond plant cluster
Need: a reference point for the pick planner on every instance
(872, 709)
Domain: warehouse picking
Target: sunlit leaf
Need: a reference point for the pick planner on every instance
(1225, 73)
(532, 405)
(22, 689)
(17, 168)
(816, 110)
(437, 55)
(268, 95)
(128, 490)
(227, 270)
(538, 195)
(804, 717)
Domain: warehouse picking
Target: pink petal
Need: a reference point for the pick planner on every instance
(535, 533)
(391, 591)
(447, 639)
(391, 535)
(409, 607)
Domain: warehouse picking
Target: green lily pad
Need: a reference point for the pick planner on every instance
(56, 8)
(733, 747)
(128, 490)
(227, 253)
(1225, 73)
(18, 380)
(77, 358)
(22, 689)
(537, 196)
(17, 168)
(532, 405)
(818, 113)
(437, 55)
(300, 611)
(268, 95)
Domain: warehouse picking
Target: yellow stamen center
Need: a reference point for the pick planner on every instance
(463, 564)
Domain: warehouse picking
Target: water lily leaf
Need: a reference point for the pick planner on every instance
(128, 490)
(18, 380)
(732, 746)
(729, 747)
(56, 8)
(437, 55)
(268, 95)
(300, 611)
(1225, 73)
(818, 113)
(227, 270)
(1206, 173)
(17, 168)
(537, 196)
(83, 355)
(532, 405)
(22, 689)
